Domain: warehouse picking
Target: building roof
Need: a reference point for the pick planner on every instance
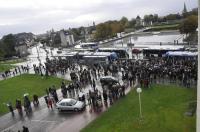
(159, 47)
(182, 53)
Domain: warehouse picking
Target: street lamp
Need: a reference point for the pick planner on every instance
(38, 54)
(139, 90)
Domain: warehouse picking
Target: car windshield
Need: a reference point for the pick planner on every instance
(73, 102)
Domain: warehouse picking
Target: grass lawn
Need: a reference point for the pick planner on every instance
(164, 27)
(12, 61)
(15, 87)
(163, 109)
(6, 65)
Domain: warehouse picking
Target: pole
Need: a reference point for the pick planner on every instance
(198, 83)
(140, 106)
(51, 42)
(38, 54)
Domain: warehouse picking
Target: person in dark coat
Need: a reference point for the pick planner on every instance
(25, 129)
(35, 100)
(27, 104)
(9, 105)
(105, 96)
(123, 90)
(46, 100)
(19, 106)
(93, 84)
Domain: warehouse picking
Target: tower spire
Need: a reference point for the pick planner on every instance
(184, 9)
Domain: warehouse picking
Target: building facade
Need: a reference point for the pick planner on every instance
(67, 39)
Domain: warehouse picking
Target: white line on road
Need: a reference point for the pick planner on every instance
(44, 121)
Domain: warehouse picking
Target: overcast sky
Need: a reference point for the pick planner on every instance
(38, 16)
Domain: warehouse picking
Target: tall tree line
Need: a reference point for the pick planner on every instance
(7, 46)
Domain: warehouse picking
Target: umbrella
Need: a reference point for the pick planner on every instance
(26, 94)
(136, 51)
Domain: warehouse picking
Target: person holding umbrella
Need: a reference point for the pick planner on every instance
(9, 105)
(19, 106)
(27, 104)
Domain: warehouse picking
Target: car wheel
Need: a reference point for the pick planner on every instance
(59, 110)
(75, 109)
(82, 109)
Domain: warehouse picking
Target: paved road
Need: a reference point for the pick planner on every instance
(47, 120)
(44, 119)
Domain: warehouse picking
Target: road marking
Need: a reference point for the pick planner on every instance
(44, 121)
(8, 129)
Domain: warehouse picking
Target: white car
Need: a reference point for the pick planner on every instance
(70, 104)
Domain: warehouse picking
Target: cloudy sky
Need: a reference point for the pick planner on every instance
(38, 16)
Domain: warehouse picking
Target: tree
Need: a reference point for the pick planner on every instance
(8, 45)
(155, 17)
(124, 21)
(57, 40)
(116, 28)
(146, 18)
(138, 17)
(178, 16)
(103, 30)
(2, 52)
(150, 18)
(132, 22)
(189, 25)
(162, 19)
(138, 24)
(109, 29)
(194, 11)
(76, 33)
(171, 17)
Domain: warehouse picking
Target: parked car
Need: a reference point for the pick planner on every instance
(108, 80)
(60, 48)
(59, 51)
(70, 104)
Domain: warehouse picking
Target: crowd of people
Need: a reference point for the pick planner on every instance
(81, 76)
(16, 71)
(85, 80)
(51, 97)
(26, 105)
(155, 70)
(143, 72)
(162, 70)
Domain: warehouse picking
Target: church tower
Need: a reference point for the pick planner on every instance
(184, 9)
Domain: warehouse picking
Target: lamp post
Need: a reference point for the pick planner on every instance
(51, 48)
(38, 55)
(198, 82)
(139, 90)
